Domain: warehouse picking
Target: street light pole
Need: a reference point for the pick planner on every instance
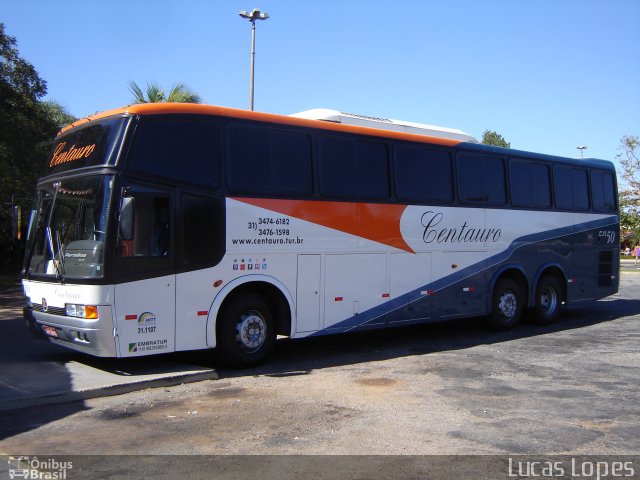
(252, 16)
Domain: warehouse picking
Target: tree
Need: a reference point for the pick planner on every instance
(490, 137)
(179, 93)
(629, 158)
(629, 194)
(57, 114)
(27, 129)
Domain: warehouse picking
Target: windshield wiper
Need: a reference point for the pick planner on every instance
(58, 262)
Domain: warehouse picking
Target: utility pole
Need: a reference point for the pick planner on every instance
(252, 16)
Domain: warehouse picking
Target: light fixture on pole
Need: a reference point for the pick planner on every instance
(582, 148)
(252, 16)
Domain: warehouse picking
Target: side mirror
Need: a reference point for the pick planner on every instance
(126, 218)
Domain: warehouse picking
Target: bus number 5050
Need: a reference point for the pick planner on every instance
(606, 236)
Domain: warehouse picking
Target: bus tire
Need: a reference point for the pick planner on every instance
(548, 301)
(246, 333)
(506, 304)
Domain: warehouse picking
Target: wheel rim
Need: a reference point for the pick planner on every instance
(251, 331)
(508, 305)
(549, 300)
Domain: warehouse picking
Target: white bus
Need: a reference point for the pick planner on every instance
(170, 227)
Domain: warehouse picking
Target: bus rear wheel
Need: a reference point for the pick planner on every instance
(549, 297)
(506, 304)
(246, 333)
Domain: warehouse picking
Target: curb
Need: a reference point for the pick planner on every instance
(105, 391)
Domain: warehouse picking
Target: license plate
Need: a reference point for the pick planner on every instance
(52, 332)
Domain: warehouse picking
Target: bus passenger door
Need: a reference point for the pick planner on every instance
(145, 290)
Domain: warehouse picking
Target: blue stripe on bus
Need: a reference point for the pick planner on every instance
(364, 319)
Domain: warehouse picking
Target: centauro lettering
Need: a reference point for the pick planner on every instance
(463, 234)
(60, 155)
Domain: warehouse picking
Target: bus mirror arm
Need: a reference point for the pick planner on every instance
(126, 218)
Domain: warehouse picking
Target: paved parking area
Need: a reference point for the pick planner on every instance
(453, 388)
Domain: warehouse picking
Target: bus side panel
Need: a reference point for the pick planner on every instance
(594, 264)
(354, 283)
(195, 292)
(405, 272)
(467, 296)
(308, 293)
(461, 285)
(145, 316)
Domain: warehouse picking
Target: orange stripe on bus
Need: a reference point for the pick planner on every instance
(373, 221)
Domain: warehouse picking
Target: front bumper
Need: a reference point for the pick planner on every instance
(94, 337)
(32, 325)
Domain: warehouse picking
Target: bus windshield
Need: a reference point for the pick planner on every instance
(68, 228)
(96, 143)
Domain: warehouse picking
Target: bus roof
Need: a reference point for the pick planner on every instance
(348, 123)
(370, 128)
(385, 124)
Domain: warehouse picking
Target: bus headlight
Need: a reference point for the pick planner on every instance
(81, 311)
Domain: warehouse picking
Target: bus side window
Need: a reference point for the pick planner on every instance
(423, 174)
(202, 236)
(181, 149)
(151, 228)
(603, 191)
(351, 168)
(530, 185)
(266, 160)
(571, 188)
(481, 179)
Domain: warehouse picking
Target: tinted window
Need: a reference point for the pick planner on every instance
(267, 160)
(151, 228)
(530, 185)
(353, 169)
(423, 175)
(481, 179)
(202, 230)
(571, 188)
(603, 191)
(185, 149)
(148, 244)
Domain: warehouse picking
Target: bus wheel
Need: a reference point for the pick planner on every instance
(506, 305)
(548, 300)
(246, 334)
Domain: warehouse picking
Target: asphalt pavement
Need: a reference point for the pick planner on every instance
(35, 372)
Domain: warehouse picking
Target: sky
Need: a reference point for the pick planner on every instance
(548, 75)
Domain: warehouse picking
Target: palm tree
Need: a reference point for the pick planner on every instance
(57, 113)
(179, 93)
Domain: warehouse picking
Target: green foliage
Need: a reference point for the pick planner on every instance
(179, 93)
(57, 114)
(629, 188)
(490, 137)
(27, 129)
(629, 213)
(629, 158)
